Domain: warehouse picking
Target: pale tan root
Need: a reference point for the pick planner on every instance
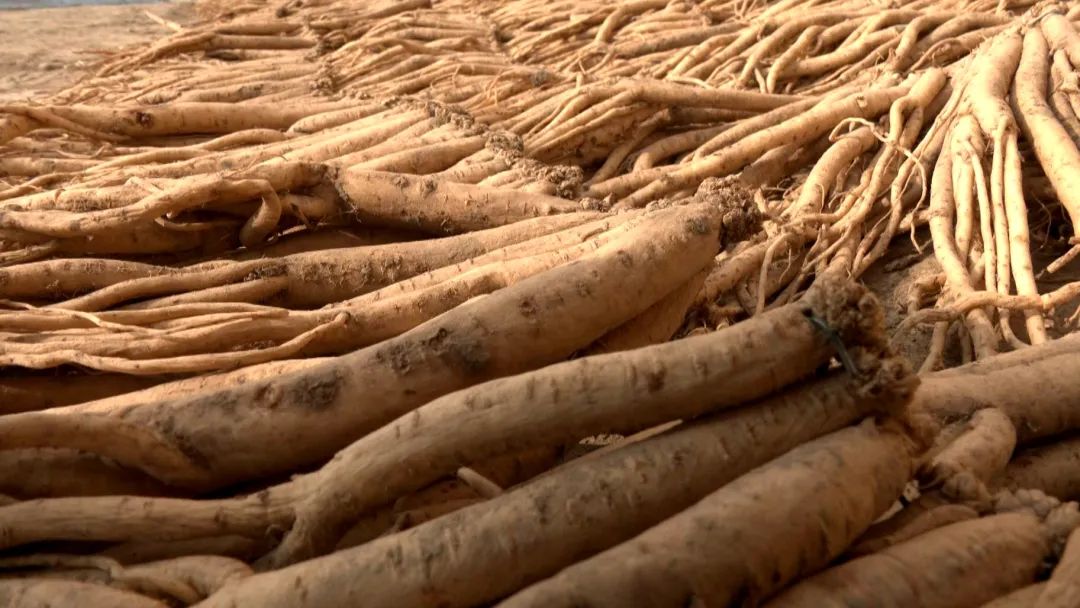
(1052, 468)
(985, 557)
(455, 350)
(33, 393)
(449, 495)
(315, 278)
(801, 495)
(445, 496)
(191, 345)
(1033, 387)
(326, 277)
(614, 496)
(654, 326)
(261, 181)
(50, 593)
(240, 547)
(550, 417)
(123, 518)
(330, 237)
(897, 530)
(438, 207)
(803, 129)
(52, 472)
(195, 385)
(1063, 588)
(1055, 149)
(184, 579)
(1023, 597)
(982, 450)
(385, 319)
(206, 574)
(958, 281)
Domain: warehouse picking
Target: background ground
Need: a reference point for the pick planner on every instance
(43, 50)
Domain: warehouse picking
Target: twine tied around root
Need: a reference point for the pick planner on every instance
(834, 338)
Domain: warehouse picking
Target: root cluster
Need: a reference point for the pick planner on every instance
(330, 302)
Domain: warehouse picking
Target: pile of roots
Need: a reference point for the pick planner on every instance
(548, 303)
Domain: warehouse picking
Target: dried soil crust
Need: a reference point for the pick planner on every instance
(45, 50)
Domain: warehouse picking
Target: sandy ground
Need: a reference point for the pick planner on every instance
(45, 50)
